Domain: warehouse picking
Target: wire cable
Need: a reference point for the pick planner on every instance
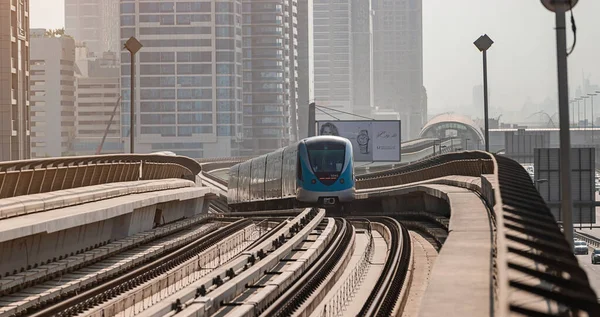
(344, 112)
(573, 27)
(327, 113)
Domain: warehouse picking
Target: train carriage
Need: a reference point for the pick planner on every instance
(315, 172)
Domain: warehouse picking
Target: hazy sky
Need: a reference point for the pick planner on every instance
(521, 63)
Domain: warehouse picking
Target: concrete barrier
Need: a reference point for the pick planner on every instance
(34, 239)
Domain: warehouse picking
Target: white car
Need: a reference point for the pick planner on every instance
(580, 247)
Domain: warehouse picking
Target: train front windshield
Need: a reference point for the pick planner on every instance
(326, 157)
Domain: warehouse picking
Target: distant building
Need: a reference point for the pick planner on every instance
(270, 68)
(97, 93)
(95, 23)
(306, 76)
(398, 61)
(188, 74)
(362, 57)
(332, 55)
(52, 94)
(14, 80)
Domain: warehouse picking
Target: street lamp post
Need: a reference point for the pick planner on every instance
(483, 43)
(592, 113)
(578, 110)
(572, 103)
(133, 46)
(559, 7)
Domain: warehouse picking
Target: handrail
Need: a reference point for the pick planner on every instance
(534, 271)
(37, 176)
(184, 161)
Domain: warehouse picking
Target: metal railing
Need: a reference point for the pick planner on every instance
(342, 297)
(464, 163)
(534, 271)
(49, 174)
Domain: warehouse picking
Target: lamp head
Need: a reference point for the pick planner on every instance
(552, 5)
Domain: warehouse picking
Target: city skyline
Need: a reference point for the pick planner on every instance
(532, 33)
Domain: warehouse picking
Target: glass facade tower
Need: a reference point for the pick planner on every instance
(188, 76)
(270, 73)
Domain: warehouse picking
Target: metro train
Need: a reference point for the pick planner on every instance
(314, 172)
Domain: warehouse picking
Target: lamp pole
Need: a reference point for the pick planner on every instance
(483, 43)
(572, 103)
(592, 113)
(579, 112)
(133, 46)
(584, 98)
(559, 7)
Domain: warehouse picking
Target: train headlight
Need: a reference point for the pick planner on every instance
(314, 181)
(341, 180)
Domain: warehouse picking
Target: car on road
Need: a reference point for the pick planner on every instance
(580, 247)
(596, 256)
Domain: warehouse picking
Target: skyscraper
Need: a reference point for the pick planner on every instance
(269, 66)
(306, 75)
(188, 76)
(332, 31)
(362, 57)
(398, 61)
(14, 80)
(343, 56)
(52, 94)
(95, 23)
(97, 92)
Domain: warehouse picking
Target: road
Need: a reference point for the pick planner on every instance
(592, 270)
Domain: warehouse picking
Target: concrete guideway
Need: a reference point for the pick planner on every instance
(360, 277)
(81, 215)
(143, 297)
(82, 259)
(424, 258)
(213, 301)
(453, 279)
(45, 236)
(526, 240)
(189, 297)
(82, 277)
(296, 265)
(28, 204)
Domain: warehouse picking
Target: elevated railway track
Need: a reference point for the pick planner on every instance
(285, 262)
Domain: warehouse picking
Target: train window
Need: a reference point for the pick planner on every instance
(326, 157)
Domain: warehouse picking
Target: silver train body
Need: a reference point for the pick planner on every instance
(314, 172)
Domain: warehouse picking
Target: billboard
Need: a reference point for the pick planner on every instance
(547, 181)
(372, 141)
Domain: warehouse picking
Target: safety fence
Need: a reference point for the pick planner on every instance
(187, 273)
(50, 174)
(463, 163)
(339, 301)
(534, 271)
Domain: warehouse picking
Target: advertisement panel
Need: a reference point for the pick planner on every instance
(547, 180)
(372, 141)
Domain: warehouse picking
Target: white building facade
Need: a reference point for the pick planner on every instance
(52, 95)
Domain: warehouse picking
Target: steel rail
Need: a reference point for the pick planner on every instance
(97, 295)
(382, 299)
(290, 301)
